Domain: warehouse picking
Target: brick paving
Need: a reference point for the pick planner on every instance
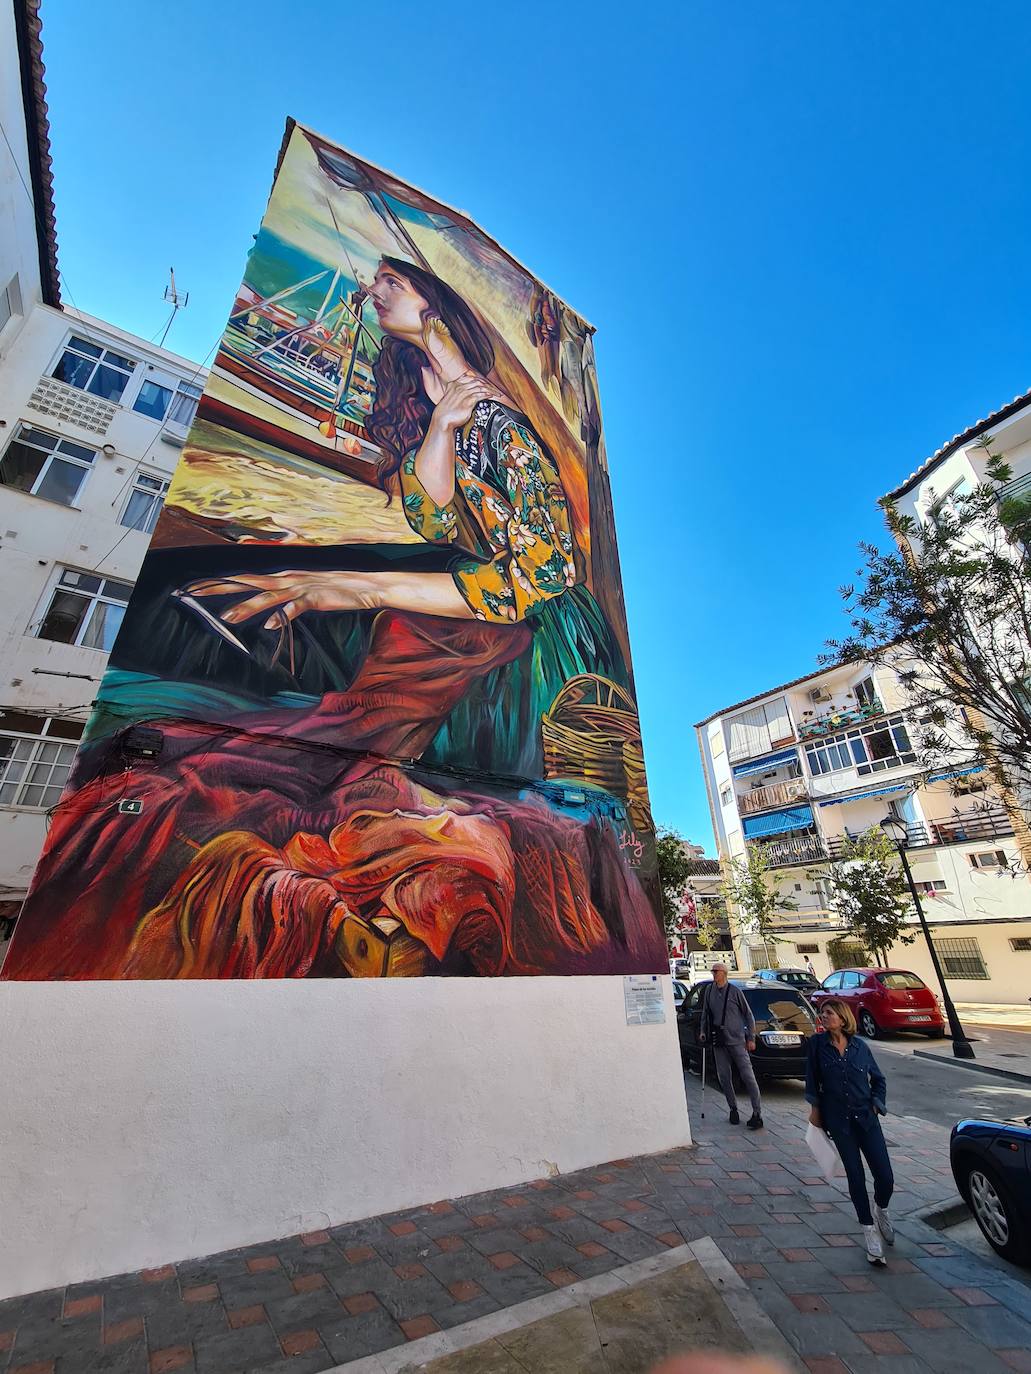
(310, 1302)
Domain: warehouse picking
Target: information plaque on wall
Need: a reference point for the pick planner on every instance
(642, 993)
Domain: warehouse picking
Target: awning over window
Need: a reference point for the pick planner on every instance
(862, 796)
(777, 822)
(767, 762)
(956, 773)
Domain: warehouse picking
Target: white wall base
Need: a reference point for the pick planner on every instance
(148, 1122)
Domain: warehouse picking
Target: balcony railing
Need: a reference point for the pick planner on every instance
(839, 718)
(988, 824)
(776, 794)
(1015, 507)
(916, 836)
(968, 827)
(801, 849)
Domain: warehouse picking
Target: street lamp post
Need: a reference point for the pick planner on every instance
(898, 831)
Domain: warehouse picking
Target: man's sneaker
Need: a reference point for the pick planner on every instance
(874, 1248)
(735, 1119)
(883, 1222)
(754, 1122)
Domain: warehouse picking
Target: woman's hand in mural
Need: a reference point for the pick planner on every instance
(459, 399)
(289, 594)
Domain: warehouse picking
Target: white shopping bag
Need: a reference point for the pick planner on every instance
(828, 1161)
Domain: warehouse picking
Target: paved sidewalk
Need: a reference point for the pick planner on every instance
(309, 1303)
(1015, 1015)
(998, 1050)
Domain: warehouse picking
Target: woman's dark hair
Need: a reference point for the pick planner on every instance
(402, 410)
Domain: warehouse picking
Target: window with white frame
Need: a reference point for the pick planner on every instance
(869, 748)
(36, 753)
(84, 609)
(990, 858)
(10, 300)
(145, 502)
(726, 795)
(152, 399)
(865, 692)
(930, 887)
(184, 405)
(45, 465)
(163, 398)
(94, 369)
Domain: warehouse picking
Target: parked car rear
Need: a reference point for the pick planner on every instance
(991, 1163)
(884, 999)
(783, 1023)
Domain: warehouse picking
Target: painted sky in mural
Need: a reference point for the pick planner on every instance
(372, 700)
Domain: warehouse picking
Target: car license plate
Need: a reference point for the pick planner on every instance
(776, 1038)
(913, 1017)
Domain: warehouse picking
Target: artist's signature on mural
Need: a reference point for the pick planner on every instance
(631, 847)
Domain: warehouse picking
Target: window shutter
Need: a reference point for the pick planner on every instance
(749, 734)
(778, 720)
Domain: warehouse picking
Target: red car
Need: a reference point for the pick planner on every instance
(884, 999)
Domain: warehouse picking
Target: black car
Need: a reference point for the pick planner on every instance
(784, 1020)
(991, 1162)
(799, 978)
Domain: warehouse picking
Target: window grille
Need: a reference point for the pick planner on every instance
(847, 956)
(762, 955)
(807, 949)
(961, 958)
(1021, 944)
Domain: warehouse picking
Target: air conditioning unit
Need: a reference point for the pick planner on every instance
(818, 694)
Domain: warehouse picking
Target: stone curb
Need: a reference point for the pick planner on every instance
(973, 1064)
(941, 1215)
(407, 1359)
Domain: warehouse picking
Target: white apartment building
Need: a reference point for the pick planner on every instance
(959, 465)
(92, 420)
(806, 764)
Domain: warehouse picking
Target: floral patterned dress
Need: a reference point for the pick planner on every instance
(509, 525)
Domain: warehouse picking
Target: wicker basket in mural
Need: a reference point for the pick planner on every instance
(592, 733)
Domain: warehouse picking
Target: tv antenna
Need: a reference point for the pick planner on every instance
(179, 300)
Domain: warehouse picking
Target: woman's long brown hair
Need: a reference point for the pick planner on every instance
(401, 412)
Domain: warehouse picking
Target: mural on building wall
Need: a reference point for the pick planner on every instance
(370, 712)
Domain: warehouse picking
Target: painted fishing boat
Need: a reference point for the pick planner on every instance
(303, 384)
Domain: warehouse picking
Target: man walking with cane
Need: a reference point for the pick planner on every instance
(728, 1026)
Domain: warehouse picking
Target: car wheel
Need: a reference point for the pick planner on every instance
(993, 1209)
(867, 1025)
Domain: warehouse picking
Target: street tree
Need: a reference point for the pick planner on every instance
(747, 885)
(869, 895)
(674, 867)
(711, 917)
(949, 609)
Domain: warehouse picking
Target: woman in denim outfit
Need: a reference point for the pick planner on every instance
(847, 1091)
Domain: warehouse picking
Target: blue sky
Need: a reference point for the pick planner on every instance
(801, 230)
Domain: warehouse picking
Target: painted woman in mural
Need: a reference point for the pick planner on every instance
(349, 777)
(472, 474)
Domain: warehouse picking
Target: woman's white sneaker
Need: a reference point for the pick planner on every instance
(883, 1221)
(874, 1248)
